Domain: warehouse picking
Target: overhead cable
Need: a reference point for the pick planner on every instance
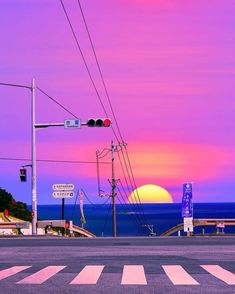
(100, 72)
(54, 161)
(54, 100)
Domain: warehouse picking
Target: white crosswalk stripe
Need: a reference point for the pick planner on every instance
(89, 275)
(12, 271)
(220, 273)
(178, 275)
(133, 275)
(42, 275)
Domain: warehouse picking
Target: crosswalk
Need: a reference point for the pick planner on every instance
(89, 275)
(131, 274)
(178, 275)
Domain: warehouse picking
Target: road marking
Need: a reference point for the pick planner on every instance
(133, 275)
(89, 275)
(220, 273)
(178, 275)
(12, 271)
(42, 275)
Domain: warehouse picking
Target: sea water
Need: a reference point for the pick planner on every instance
(137, 220)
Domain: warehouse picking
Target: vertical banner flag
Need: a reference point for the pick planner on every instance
(83, 220)
(187, 203)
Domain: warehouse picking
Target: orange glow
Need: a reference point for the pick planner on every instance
(178, 161)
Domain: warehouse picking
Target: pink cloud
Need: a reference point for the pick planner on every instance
(179, 162)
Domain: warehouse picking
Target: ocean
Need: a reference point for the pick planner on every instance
(134, 220)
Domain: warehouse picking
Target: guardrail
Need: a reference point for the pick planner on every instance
(201, 222)
(65, 224)
(52, 223)
(14, 225)
(47, 223)
(83, 231)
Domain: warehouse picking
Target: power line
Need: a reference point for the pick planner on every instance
(130, 174)
(54, 160)
(94, 204)
(107, 94)
(66, 109)
(127, 184)
(136, 217)
(15, 85)
(85, 63)
(99, 68)
(135, 186)
(131, 180)
(135, 203)
(135, 206)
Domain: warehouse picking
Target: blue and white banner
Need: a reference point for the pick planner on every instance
(187, 202)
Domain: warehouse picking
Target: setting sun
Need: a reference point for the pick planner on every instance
(150, 194)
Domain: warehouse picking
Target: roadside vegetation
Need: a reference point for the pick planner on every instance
(15, 208)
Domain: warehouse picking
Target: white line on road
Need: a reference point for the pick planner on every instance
(42, 275)
(133, 275)
(12, 271)
(220, 273)
(178, 275)
(89, 275)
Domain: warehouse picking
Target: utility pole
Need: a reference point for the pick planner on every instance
(113, 195)
(113, 183)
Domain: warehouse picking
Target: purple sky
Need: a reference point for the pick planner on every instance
(169, 67)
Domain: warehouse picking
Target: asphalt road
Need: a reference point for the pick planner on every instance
(122, 265)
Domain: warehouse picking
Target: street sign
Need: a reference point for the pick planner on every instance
(63, 194)
(63, 187)
(72, 123)
(22, 225)
(188, 224)
(188, 228)
(220, 225)
(187, 204)
(188, 220)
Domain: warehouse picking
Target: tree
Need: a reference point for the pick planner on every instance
(5, 199)
(16, 208)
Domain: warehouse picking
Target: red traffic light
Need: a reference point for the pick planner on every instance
(99, 122)
(23, 174)
(107, 122)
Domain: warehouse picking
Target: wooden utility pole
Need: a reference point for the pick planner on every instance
(112, 181)
(113, 195)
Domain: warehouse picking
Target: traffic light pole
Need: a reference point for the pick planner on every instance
(33, 154)
(106, 122)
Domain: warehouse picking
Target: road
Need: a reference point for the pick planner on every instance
(122, 265)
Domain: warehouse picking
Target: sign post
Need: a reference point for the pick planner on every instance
(63, 191)
(187, 208)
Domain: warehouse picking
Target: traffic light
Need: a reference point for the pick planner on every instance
(23, 176)
(99, 122)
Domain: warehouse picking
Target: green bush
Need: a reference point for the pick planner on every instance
(15, 208)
